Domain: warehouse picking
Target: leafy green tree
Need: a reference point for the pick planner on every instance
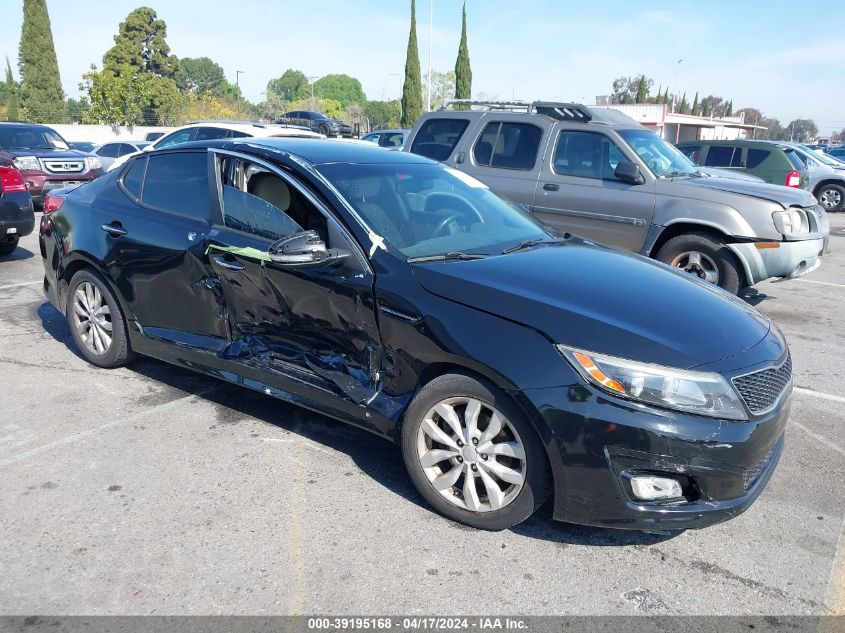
(642, 90)
(463, 70)
(384, 114)
(117, 98)
(694, 109)
(201, 75)
(412, 104)
(802, 130)
(442, 88)
(341, 88)
(288, 85)
(625, 89)
(11, 89)
(76, 109)
(141, 43)
(41, 93)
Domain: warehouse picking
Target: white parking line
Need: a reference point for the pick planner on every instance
(821, 283)
(820, 438)
(21, 285)
(819, 394)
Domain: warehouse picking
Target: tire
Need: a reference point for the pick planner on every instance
(514, 452)
(96, 299)
(831, 197)
(7, 248)
(324, 130)
(705, 256)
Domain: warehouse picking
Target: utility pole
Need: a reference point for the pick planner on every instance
(430, 32)
(238, 74)
(675, 88)
(311, 82)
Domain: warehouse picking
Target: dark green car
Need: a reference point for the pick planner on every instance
(774, 163)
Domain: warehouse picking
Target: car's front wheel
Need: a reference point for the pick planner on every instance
(324, 130)
(7, 248)
(472, 454)
(704, 256)
(831, 197)
(95, 321)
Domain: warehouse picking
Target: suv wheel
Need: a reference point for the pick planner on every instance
(324, 130)
(473, 455)
(7, 248)
(831, 197)
(704, 256)
(96, 322)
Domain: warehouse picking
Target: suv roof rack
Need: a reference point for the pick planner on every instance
(559, 110)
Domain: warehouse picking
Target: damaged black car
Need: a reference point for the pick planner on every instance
(513, 365)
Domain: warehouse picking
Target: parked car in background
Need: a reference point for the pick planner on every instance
(17, 217)
(110, 152)
(403, 296)
(153, 136)
(83, 146)
(599, 174)
(46, 160)
(394, 139)
(727, 173)
(826, 176)
(837, 152)
(208, 130)
(776, 162)
(317, 122)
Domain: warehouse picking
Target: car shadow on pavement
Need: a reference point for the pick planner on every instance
(753, 297)
(18, 254)
(374, 457)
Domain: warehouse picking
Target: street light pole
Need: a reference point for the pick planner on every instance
(238, 74)
(675, 87)
(311, 81)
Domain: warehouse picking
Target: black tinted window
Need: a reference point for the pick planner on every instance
(108, 151)
(236, 134)
(134, 177)
(586, 155)
(437, 138)
(126, 148)
(508, 145)
(210, 133)
(178, 183)
(755, 157)
(720, 156)
(693, 152)
(794, 160)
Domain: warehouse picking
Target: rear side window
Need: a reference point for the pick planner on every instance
(693, 152)
(755, 157)
(178, 183)
(108, 151)
(437, 138)
(508, 146)
(721, 156)
(134, 178)
(794, 160)
(210, 133)
(126, 148)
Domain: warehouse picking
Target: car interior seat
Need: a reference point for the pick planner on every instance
(483, 153)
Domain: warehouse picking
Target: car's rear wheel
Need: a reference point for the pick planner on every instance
(704, 256)
(472, 454)
(7, 248)
(831, 197)
(95, 321)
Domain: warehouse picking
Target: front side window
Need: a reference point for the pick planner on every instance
(508, 146)
(426, 209)
(181, 136)
(586, 155)
(211, 133)
(177, 183)
(437, 138)
(396, 139)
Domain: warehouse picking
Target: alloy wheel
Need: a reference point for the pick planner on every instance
(471, 454)
(697, 263)
(830, 198)
(92, 318)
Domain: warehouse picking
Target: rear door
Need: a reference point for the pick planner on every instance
(577, 191)
(314, 327)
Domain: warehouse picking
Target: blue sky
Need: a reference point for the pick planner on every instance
(771, 54)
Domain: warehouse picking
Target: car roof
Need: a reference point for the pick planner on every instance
(23, 124)
(244, 126)
(739, 141)
(316, 151)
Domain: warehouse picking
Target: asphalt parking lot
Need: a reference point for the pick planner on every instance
(150, 490)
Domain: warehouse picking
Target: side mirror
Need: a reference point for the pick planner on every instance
(627, 171)
(303, 249)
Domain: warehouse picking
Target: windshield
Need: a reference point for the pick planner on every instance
(820, 157)
(425, 209)
(662, 158)
(31, 138)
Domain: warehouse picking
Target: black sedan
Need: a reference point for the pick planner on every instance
(396, 294)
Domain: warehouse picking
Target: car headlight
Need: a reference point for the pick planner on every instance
(27, 163)
(791, 222)
(702, 393)
(93, 162)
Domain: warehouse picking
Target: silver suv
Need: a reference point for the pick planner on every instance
(599, 174)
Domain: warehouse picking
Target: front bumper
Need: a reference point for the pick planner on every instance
(600, 441)
(787, 259)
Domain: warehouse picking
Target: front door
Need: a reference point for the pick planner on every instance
(578, 192)
(314, 327)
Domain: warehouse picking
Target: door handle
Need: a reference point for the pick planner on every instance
(114, 229)
(550, 186)
(221, 260)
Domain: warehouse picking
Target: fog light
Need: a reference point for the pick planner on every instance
(652, 488)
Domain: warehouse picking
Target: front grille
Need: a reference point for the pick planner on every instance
(751, 475)
(762, 389)
(64, 166)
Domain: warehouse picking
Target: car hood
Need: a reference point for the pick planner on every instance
(601, 300)
(49, 154)
(785, 196)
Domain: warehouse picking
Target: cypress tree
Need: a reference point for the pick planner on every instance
(41, 93)
(659, 97)
(695, 105)
(729, 111)
(642, 90)
(412, 104)
(11, 94)
(463, 71)
(684, 106)
(666, 96)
